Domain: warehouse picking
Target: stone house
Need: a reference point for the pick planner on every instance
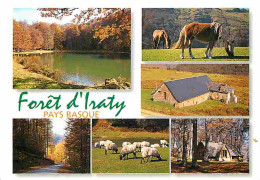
(218, 152)
(191, 91)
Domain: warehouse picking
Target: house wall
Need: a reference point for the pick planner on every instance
(223, 158)
(194, 101)
(160, 96)
(219, 96)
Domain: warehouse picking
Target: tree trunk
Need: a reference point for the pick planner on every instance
(194, 145)
(184, 144)
(205, 159)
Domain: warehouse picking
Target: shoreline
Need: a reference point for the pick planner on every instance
(67, 51)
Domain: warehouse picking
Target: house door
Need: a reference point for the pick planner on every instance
(165, 96)
(224, 153)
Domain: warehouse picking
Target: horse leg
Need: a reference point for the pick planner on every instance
(183, 47)
(163, 44)
(158, 43)
(211, 45)
(190, 53)
(206, 52)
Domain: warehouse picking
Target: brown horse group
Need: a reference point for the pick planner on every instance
(204, 32)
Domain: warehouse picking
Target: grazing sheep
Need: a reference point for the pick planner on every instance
(125, 143)
(147, 152)
(164, 143)
(110, 146)
(97, 145)
(102, 144)
(145, 144)
(128, 149)
(138, 145)
(155, 145)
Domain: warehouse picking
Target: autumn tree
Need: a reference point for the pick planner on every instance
(17, 36)
(194, 144)
(77, 143)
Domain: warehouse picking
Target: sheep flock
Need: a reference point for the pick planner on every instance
(146, 149)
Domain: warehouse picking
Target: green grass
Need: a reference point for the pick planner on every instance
(24, 79)
(219, 54)
(110, 163)
(207, 108)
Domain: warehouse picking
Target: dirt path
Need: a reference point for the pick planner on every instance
(48, 169)
(151, 113)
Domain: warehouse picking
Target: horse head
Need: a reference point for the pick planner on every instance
(229, 47)
(217, 29)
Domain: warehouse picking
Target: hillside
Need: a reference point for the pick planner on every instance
(57, 138)
(235, 23)
(235, 69)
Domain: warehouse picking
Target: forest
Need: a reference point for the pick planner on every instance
(92, 29)
(235, 22)
(36, 148)
(210, 145)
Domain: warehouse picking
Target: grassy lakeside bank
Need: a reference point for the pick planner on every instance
(24, 79)
(111, 163)
(152, 78)
(219, 54)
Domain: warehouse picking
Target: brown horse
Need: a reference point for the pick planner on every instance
(229, 47)
(203, 32)
(158, 36)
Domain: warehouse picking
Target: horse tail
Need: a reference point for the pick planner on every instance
(181, 39)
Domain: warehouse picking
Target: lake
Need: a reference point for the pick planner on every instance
(89, 68)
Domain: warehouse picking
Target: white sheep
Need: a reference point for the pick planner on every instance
(125, 143)
(147, 152)
(97, 145)
(128, 149)
(110, 146)
(101, 144)
(138, 145)
(145, 144)
(164, 143)
(155, 145)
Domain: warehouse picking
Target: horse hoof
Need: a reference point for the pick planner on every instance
(182, 57)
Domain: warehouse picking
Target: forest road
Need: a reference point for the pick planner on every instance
(48, 169)
(151, 113)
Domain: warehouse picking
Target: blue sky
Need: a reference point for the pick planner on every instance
(59, 126)
(33, 15)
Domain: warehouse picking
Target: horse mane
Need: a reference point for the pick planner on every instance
(165, 35)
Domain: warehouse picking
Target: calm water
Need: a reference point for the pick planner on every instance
(88, 69)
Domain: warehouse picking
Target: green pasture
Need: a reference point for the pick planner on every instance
(219, 54)
(111, 163)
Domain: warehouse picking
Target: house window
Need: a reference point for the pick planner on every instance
(164, 95)
(224, 153)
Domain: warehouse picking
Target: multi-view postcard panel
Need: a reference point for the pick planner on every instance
(211, 145)
(195, 89)
(72, 48)
(51, 145)
(219, 34)
(130, 146)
